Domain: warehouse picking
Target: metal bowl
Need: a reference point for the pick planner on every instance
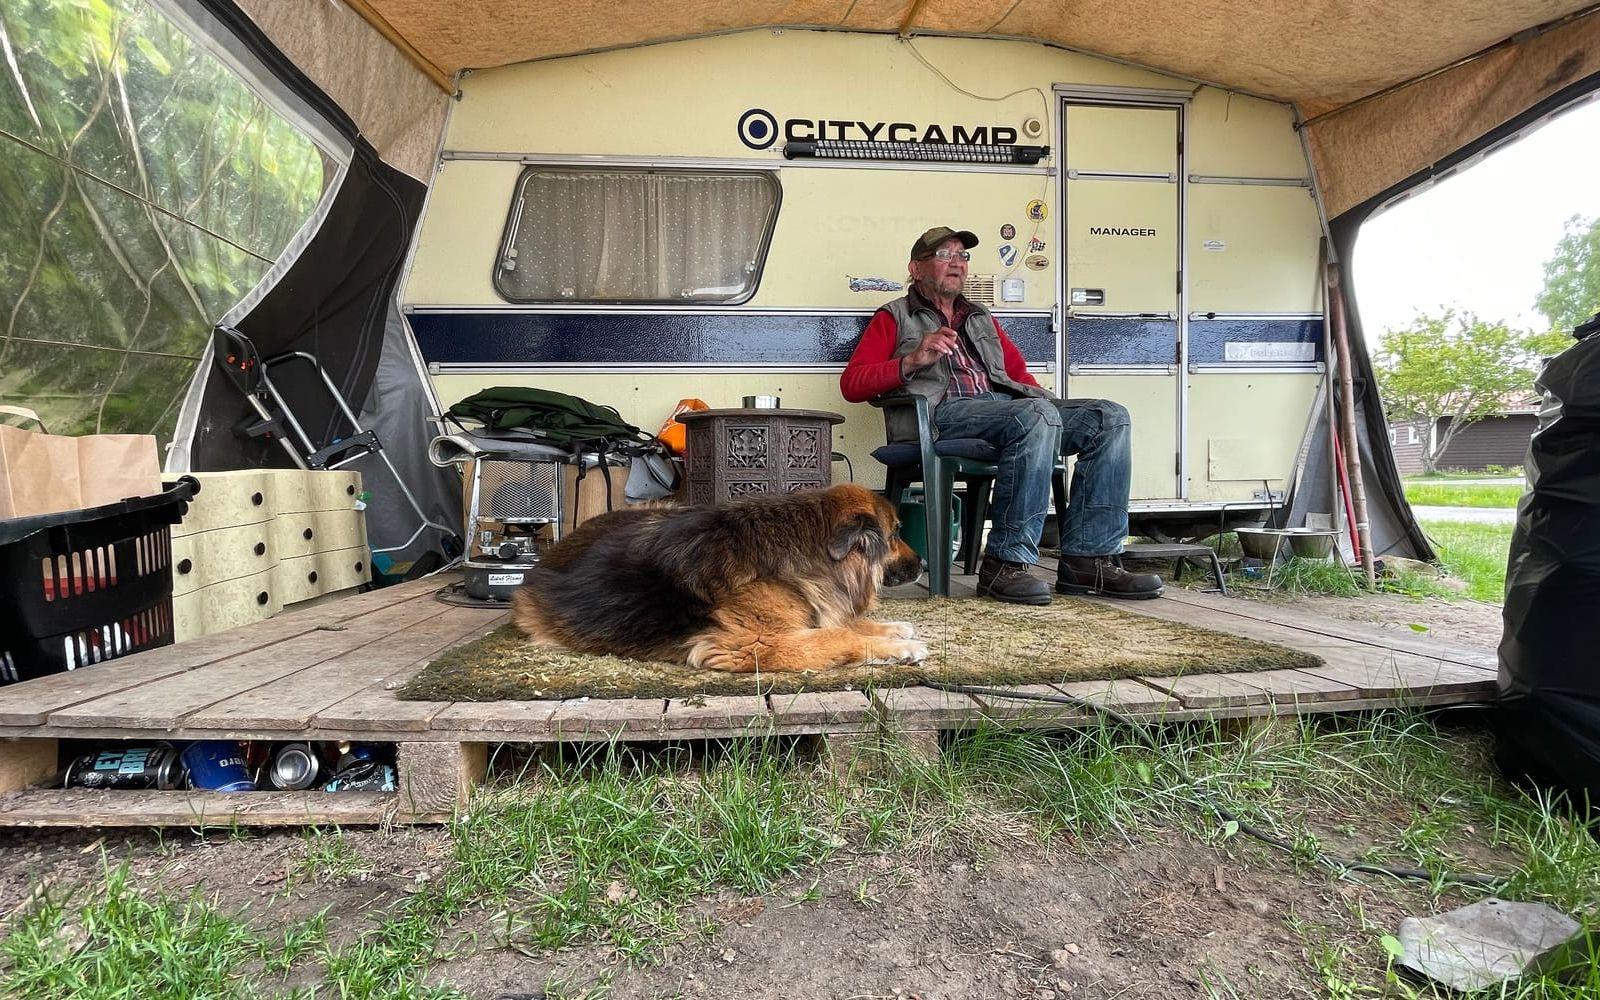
(1260, 543)
(1311, 543)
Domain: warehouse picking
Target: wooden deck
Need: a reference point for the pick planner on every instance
(329, 672)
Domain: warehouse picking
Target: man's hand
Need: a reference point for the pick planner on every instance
(940, 343)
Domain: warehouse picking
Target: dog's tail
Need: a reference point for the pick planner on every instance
(530, 616)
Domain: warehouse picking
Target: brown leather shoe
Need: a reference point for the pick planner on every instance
(1011, 582)
(1102, 575)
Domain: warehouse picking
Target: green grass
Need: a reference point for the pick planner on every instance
(1468, 495)
(1487, 472)
(611, 848)
(1476, 553)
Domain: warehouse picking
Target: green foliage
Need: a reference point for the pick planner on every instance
(1571, 292)
(143, 190)
(1457, 366)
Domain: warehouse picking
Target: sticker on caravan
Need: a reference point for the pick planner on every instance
(1036, 245)
(1037, 261)
(1215, 245)
(1038, 211)
(873, 284)
(1008, 232)
(758, 129)
(1008, 254)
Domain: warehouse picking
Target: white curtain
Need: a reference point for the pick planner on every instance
(630, 235)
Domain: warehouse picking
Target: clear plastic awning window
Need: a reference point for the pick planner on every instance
(144, 190)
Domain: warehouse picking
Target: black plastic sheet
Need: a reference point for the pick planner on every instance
(1548, 718)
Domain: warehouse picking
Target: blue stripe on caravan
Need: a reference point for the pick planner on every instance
(1208, 338)
(1114, 340)
(727, 338)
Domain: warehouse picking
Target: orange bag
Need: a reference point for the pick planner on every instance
(672, 433)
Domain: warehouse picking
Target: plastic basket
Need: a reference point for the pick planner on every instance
(83, 586)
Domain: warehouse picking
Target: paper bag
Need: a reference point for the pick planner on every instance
(38, 473)
(48, 473)
(114, 467)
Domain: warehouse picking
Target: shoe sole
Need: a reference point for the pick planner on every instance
(1039, 601)
(1078, 590)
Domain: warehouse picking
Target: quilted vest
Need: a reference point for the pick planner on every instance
(914, 319)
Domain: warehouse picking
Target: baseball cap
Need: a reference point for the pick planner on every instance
(929, 241)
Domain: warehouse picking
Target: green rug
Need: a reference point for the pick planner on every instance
(970, 642)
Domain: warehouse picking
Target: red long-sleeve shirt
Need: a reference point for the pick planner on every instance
(873, 369)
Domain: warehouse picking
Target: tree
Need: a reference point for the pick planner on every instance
(1572, 276)
(1454, 366)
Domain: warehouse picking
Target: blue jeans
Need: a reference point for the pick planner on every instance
(1030, 435)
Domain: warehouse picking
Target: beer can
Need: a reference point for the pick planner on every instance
(294, 766)
(147, 767)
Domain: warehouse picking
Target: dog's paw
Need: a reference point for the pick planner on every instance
(900, 630)
(906, 651)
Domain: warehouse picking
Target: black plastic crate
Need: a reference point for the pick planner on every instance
(83, 586)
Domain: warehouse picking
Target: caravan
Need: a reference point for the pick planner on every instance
(721, 216)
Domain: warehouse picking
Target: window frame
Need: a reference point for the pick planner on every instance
(514, 217)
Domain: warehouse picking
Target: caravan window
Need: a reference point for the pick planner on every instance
(620, 235)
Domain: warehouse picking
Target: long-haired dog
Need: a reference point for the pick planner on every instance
(772, 582)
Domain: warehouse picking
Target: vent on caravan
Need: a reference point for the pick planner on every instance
(979, 288)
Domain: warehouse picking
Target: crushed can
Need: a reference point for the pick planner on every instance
(361, 775)
(158, 767)
(219, 766)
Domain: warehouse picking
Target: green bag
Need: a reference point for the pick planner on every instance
(553, 417)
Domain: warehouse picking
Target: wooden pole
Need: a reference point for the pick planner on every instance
(1347, 424)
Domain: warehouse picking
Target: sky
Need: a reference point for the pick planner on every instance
(1478, 241)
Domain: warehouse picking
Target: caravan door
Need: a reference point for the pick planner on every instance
(1123, 280)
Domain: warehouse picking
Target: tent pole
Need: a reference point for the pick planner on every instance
(1347, 424)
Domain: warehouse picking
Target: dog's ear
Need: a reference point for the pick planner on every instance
(861, 532)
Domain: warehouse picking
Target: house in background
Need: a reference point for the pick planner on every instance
(1501, 439)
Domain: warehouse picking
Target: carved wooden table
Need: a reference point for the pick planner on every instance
(734, 453)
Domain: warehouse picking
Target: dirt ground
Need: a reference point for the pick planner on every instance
(1159, 916)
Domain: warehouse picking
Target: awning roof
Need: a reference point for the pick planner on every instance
(1319, 53)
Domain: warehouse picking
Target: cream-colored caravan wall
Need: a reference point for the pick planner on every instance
(684, 100)
(1251, 248)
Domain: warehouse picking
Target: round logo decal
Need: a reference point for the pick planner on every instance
(1008, 232)
(1036, 261)
(758, 129)
(1037, 210)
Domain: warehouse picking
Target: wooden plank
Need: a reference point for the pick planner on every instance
(163, 703)
(31, 702)
(1296, 687)
(709, 713)
(1337, 628)
(293, 700)
(437, 778)
(24, 763)
(1030, 711)
(526, 719)
(83, 807)
(1401, 676)
(1126, 696)
(823, 710)
(1210, 691)
(592, 718)
(920, 708)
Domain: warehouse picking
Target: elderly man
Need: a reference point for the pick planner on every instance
(933, 342)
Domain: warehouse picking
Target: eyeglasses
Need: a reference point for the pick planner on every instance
(949, 255)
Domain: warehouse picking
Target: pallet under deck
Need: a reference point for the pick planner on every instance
(329, 673)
